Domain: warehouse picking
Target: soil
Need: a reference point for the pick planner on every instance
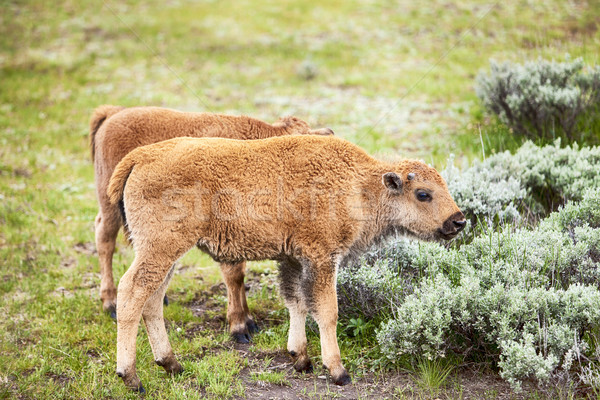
(466, 384)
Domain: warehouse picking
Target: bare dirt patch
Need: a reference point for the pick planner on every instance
(59, 379)
(87, 248)
(465, 384)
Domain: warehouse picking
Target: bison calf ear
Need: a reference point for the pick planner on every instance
(392, 181)
(322, 132)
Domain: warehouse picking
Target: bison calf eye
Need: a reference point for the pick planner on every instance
(422, 195)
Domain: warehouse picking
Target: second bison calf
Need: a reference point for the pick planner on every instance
(310, 203)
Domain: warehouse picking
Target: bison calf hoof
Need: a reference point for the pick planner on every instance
(241, 337)
(342, 380)
(132, 382)
(112, 311)
(166, 300)
(303, 365)
(243, 333)
(170, 365)
(252, 327)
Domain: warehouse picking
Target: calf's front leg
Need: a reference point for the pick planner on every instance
(297, 344)
(325, 312)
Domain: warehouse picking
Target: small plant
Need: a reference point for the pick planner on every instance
(270, 377)
(432, 374)
(544, 99)
(359, 329)
(357, 326)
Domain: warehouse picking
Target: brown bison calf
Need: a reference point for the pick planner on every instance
(310, 203)
(115, 131)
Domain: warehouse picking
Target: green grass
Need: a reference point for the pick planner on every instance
(274, 378)
(266, 376)
(432, 375)
(217, 373)
(392, 78)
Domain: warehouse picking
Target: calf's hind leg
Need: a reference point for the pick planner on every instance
(290, 287)
(141, 281)
(241, 324)
(157, 334)
(107, 225)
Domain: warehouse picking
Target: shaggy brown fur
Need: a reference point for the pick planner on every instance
(310, 203)
(115, 131)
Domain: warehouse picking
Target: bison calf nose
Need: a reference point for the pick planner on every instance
(453, 225)
(460, 224)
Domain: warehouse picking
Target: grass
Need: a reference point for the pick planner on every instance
(217, 374)
(432, 375)
(392, 78)
(274, 378)
(266, 376)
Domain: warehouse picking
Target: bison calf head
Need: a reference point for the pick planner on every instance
(296, 126)
(417, 201)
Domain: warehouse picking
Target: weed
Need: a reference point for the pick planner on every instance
(358, 328)
(432, 375)
(217, 373)
(266, 376)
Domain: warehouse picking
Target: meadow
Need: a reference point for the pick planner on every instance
(396, 78)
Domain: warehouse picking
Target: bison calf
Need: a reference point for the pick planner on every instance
(115, 131)
(310, 203)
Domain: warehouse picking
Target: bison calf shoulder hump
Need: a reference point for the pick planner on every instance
(310, 203)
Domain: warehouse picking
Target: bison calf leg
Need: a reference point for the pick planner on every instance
(325, 313)
(141, 282)
(290, 286)
(157, 334)
(297, 344)
(241, 324)
(128, 318)
(107, 229)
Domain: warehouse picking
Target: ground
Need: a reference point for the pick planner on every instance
(394, 77)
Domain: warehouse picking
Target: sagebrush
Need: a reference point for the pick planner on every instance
(544, 99)
(525, 298)
(534, 180)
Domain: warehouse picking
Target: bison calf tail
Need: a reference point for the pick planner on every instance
(98, 117)
(119, 177)
(116, 185)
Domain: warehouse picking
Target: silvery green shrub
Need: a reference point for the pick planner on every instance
(541, 99)
(523, 298)
(533, 179)
(385, 276)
